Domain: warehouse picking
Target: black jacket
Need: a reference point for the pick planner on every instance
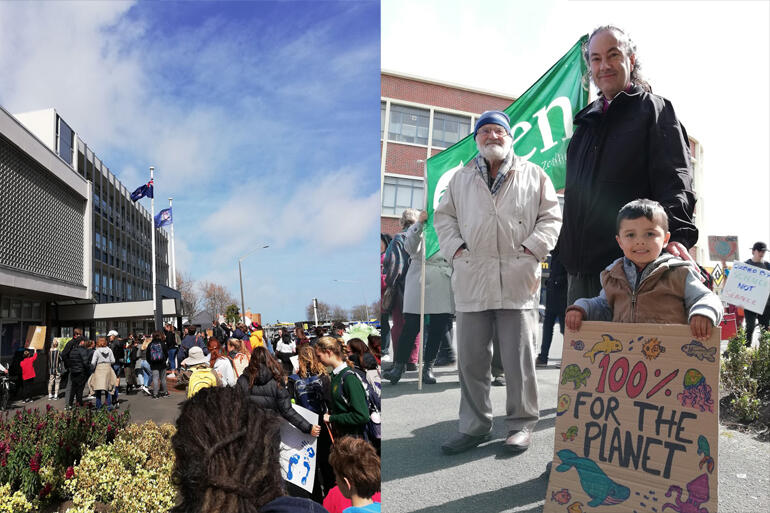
(79, 360)
(636, 149)
(161, 364)
(269, 395)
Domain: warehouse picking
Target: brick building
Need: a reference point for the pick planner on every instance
(420, 118)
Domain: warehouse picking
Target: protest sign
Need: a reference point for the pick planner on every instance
(637, 421)
(35, 337)
(723, 248)
(298, 451)
(747, 286)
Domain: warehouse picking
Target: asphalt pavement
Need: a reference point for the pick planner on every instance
(418, 478)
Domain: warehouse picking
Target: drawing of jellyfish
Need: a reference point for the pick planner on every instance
(696, 393)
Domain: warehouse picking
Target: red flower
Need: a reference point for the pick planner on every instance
(70, 473)
(34, 465)
(48, 407)
(46, 490)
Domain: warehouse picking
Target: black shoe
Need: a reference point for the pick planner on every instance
(541, 362)
(154, 396)
(444, 362)
(427, 375)
(498, 381)
(462, 442)
(395, 373)
(411, 366)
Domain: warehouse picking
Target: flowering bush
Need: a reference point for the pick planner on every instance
(14, 502)
(133, 474)
(37, 447)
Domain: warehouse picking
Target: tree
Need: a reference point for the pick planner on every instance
(232, 313)
(338, 313)
(216, 298)
(191, 297)
(375, 308)
(324, 311)
(360, 312)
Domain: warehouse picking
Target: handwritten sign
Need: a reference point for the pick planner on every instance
(747, 286)
(35, 337)
(637, 421)
(298, 451)
(723, 248)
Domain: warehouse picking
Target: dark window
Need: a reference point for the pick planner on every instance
(64, 137)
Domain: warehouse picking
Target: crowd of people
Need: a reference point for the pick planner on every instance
(334, 375)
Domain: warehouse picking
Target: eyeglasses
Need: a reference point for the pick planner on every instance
(488, 130)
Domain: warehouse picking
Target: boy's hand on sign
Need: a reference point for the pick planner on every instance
(315, 431)
(573, 319)
(700, 326)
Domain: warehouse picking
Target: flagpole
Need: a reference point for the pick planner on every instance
(152, 239)
(172, 281)
(420, 364)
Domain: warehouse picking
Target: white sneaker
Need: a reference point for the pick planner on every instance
(50, 396)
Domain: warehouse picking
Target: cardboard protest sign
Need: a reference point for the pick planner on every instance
(637, 421)
(298, 451)
(723, 248)
(747, 286)
(35, 337)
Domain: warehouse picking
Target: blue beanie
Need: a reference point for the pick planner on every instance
(495, 117)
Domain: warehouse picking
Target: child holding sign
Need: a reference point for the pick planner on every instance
(645, 286)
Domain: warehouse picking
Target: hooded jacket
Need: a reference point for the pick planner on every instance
(292, 505)
(267, 394)
(636, 149)
(667, 291)
(494, 271)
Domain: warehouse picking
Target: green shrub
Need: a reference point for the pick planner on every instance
(746, 374)
(133, 474)
(37, 447)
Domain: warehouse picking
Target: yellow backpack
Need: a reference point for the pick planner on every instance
(202, 377)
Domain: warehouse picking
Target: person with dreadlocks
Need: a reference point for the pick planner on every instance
(226, 457)
(262, 382)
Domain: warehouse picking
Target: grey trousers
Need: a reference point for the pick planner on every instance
(516, 332)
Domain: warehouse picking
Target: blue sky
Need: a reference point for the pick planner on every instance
(261, 119)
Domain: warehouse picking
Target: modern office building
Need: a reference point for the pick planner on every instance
(420, 118)
(75, 251)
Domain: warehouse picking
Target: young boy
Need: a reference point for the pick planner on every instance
(357, 470)
(645, 286)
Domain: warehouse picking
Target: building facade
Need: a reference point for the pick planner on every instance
(75, 251)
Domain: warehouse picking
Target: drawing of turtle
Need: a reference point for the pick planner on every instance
(573, 373)
(570, 434)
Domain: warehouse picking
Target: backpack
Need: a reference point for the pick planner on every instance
(155, 352)
(240, 362)
(309, 393)
(200, 379)
(373, 428)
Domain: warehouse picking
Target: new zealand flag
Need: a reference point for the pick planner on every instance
(142, 191)
(163, 217)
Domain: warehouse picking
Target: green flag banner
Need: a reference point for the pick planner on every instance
(541, 126)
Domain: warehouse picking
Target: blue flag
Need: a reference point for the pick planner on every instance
(142, 191)
(163, 217)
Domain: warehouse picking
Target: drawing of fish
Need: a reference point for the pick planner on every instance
(608, 344)
(577, 344)
(575, 507)
(562, 496)
(594, 481)
(699, 351)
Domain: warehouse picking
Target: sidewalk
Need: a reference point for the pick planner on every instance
(417, 477)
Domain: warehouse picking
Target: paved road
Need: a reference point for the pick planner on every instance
(417, 477)
(142, 407)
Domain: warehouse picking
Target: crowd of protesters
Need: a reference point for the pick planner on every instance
(335, 375)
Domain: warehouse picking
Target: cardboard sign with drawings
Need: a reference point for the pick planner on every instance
(637, 421)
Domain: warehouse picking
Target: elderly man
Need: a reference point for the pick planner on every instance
(627, 144)
(496, 222)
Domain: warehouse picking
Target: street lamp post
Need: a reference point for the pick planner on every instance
(240, 277)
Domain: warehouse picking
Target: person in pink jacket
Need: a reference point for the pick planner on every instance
(28, 373)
